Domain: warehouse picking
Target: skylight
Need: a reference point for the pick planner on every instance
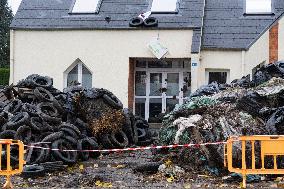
(164, 6)
(85, 6)
(258, 6)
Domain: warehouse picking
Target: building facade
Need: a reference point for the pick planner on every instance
(207, 40)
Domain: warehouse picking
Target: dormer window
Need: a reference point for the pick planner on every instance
(164, 6)
(258, 6)
(86, 6)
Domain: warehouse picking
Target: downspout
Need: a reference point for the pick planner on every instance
(243, 63)
(12, 56)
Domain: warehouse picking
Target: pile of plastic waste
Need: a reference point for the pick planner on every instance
(215, 112)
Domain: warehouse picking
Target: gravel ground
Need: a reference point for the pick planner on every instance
(117, 169)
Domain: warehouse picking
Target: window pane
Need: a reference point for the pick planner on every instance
(86, 77)
(155, 84)
(140, 107)
(72, 77)
(164, 6)
(173, 84)
(160, 64)
(258, 6)
(141, 64)
(186, 84)
(155, 110)
(219, 77)
(171, 103)
(140, 83)
(82, 6)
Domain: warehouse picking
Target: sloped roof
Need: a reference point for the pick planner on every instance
(54, 14)
(220, 25)
(226, 26)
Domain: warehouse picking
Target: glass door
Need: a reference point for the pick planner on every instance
(156, 96)
(172, 93)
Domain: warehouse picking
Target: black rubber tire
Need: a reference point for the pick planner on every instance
(24, 134)
(119, 139)
(40, 81)
(33, 171)
(14, 107)
(48, 112)
(38, 124)
(87, 144)
(106, 142)
(113, 101)
(71, 140)
(135, 22)
(53, 166)
(141, 134)
(141, 124)
(127, 127)
(70, 126)
(67, 157)
(8, 134)
(17, 120)
(43, 95)
(38, 154)
(53, 137)
(135, 133)
(30, 109)
(151, 22)
(81, 125)
(58, 106)
(69, 132)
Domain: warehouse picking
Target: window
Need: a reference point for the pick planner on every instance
(164, 6)
(79, 75)
(86, 6)
(220, 76)
(258, 6)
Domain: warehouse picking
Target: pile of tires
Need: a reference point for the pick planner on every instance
(51, 119)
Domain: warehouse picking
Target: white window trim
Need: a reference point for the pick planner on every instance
(165, 11)
(96, 10)
(207, 70)
(246, 11)
(80, 72)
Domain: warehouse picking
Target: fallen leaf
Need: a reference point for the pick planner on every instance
(81, 167)
(187, 186)
(170, 179)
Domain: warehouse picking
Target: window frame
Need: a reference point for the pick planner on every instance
(245, 13)
(80, 72)
(96, 11)
(207, 70)
(165, 12)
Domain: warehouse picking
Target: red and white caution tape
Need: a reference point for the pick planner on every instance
(131, 149)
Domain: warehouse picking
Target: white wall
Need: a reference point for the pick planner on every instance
(258, 53)
(281, 40)
(240, 63)
(105, 53)
(228, 60)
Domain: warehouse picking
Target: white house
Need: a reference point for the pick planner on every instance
(207, 40)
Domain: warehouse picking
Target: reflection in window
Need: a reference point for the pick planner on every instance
(140, 107)
(219, 77)
(79, 75)
(140, 83)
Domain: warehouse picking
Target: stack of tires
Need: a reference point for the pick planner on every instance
(52, 119)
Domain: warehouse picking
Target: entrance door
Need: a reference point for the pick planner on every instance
(164, 94)
(158, 90)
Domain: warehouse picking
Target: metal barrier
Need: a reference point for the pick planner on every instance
(9, 171)
(269, 146)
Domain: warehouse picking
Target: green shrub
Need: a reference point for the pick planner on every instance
(4, 76)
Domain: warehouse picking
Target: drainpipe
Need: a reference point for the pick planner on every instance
(12, 55)
(243, 63)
